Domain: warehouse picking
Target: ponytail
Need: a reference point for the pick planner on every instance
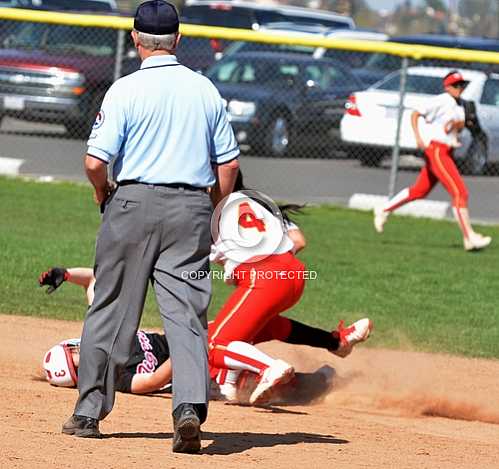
(285, 209)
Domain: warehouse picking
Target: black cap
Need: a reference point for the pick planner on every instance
(156, 17)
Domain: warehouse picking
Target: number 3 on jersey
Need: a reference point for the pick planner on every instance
(248, 218)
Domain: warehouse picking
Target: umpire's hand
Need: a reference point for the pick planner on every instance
(53, 277)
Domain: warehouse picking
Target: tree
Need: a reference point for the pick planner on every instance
(482, 8)
(483, 14)
(437, 5)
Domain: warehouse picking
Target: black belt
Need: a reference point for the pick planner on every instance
(172, 185)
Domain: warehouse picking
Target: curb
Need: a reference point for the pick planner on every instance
(10, 166)
(418, 208)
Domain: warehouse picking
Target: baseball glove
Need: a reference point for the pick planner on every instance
(53, 277)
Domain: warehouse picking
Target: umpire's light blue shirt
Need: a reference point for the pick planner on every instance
(163, 124)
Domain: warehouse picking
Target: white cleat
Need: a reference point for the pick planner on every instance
(380, 217)
(279, 373)
(352, 335)
(476, 241)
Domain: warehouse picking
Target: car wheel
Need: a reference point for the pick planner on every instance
(370, 157)
(476, 159)
(278, 137)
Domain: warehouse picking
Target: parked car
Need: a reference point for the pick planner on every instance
(248, 15)
(379, 65)
(278, 102)
(350, 58)
(370, 120)
(15, 3)
(63, 5)
(57, 73)
(74, 6)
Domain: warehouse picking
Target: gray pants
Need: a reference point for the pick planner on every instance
(155, 234)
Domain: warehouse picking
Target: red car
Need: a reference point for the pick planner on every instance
(59, 74)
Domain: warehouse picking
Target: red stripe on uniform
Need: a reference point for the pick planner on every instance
(244, 359)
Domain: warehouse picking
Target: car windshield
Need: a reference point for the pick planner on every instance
(490, 94)
(352, 58)
(420, 84)
(96, 42)
(278, 73)
(76, 5)
(258, 72)
(380, 61)
(15, 3)
(325, 77)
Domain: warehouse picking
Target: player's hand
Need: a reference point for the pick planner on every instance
(421, 144)
(53, 277)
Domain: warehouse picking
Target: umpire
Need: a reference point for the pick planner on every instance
(166, 132)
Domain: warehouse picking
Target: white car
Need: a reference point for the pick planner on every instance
(370, 120)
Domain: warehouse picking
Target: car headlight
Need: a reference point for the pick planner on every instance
(241, 108)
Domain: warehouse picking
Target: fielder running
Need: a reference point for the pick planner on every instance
(444, 119)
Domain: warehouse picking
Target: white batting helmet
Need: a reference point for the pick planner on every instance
(59, 367)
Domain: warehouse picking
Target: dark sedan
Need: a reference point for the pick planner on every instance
(279, 102)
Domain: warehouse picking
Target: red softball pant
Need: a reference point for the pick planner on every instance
(439, 167)
(263, 290)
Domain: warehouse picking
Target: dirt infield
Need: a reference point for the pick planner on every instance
(387, 409)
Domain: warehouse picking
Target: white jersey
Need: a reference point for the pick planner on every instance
(247, 231)
(437, 113)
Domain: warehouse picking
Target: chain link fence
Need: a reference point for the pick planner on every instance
(287, 96)
(57, 74)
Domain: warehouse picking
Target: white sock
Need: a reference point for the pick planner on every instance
(232, 376)
(396, 199)
(248, 357)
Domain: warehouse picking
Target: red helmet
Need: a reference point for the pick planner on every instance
(453, 78)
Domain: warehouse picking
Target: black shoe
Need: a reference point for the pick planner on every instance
(84, 427)
(187, 437)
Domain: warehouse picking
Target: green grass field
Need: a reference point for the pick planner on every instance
(416, 282)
